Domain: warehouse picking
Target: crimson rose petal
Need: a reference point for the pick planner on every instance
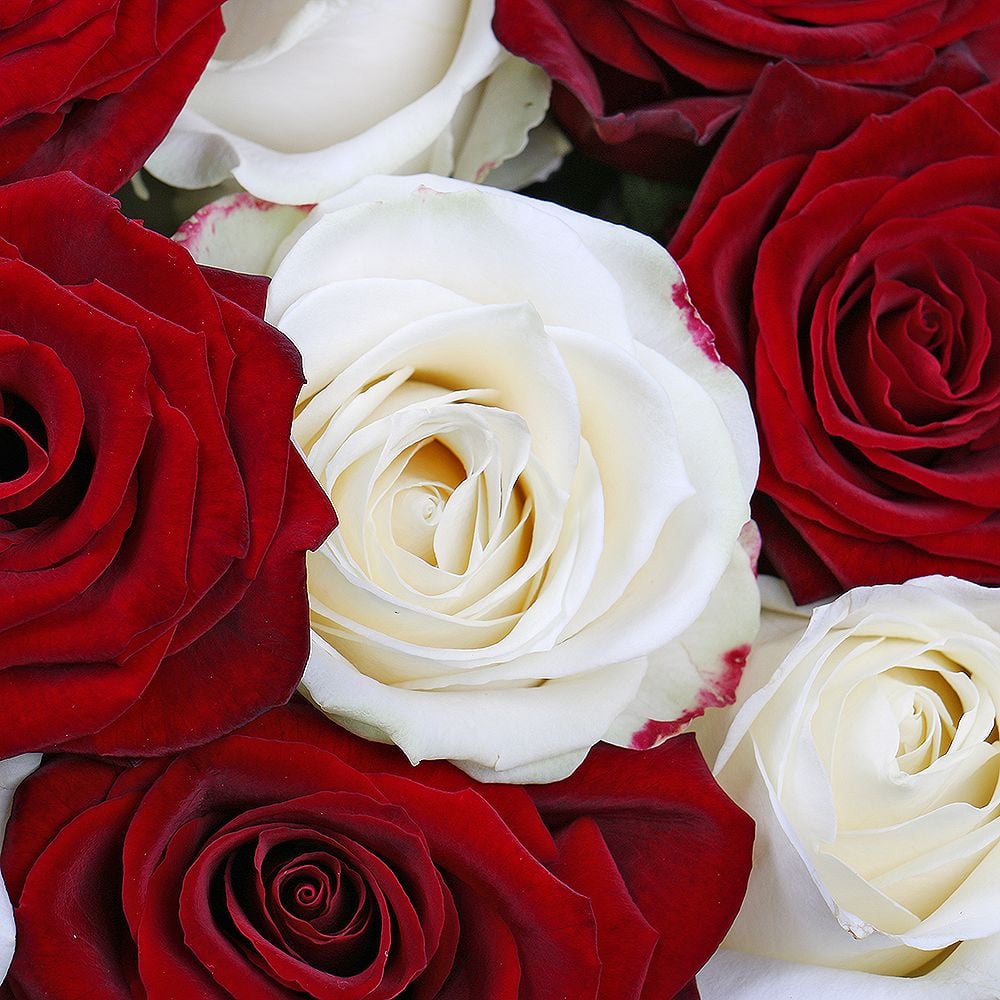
(93, 88)
(153, 514)
(642, 83)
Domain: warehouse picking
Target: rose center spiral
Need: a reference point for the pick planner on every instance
(928, 711)
(17, 418)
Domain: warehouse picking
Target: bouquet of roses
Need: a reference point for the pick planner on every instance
(379, 600)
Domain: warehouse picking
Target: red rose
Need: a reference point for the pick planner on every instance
(153, 518)
(93, 85)
(848, 260)
(295, 859)
(642, 79)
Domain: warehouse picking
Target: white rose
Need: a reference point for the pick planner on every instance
(12, 772)
(540, 466)
(866, 750)
(305, 97)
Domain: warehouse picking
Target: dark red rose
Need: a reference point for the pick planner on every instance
(293, 859)
(639, 81)
(848, 260)
(93, 85)
(153, 517)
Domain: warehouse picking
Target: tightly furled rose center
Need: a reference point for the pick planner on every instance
(482, 507)
(918, 732)
(452, 497)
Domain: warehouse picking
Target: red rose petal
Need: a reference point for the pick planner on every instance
(671, 818)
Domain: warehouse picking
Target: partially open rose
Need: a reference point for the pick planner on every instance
(865, 747)
(294, 860)
(302, 99)
(540, 465)
(153, 513)
(847, 260)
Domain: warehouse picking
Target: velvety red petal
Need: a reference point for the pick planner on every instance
(77, 698)
(625, 941)
(48, 799)
(532, 30)
(119, 83)
(682, 847)
(300, 722)
(553, 926)
(250, 661)
(69, 924)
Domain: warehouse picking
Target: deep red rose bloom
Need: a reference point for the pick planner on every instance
(93, 85)
(153, 516)
(848, 260)
(293, 859)
(640, 80)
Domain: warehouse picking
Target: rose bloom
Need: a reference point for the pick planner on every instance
(153, 514)
(540, 466)
(864, 744)
(92, 87)
(639, 81)
(847, 261)
(303, 99)
(293, 859)
(12, 773)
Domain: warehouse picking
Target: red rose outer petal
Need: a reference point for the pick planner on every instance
(299, 722)
(553, 926)
(111, 87)
(700, 846)
(69, 928)
(624, 938)
(47, 800)
(488, 961)
(257, 647)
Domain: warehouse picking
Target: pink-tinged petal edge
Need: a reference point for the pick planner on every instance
(700, 332)
(720, 692)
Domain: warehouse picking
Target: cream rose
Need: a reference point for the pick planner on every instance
(541, 468)
(305, 97)
(865, 748)
(12, 772)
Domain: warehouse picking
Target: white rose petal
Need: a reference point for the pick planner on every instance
(12, 772)
(864, 744)
(542, 473)
(305, 97)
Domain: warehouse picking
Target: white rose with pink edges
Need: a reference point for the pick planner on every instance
(541, 467)
(305, 97)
